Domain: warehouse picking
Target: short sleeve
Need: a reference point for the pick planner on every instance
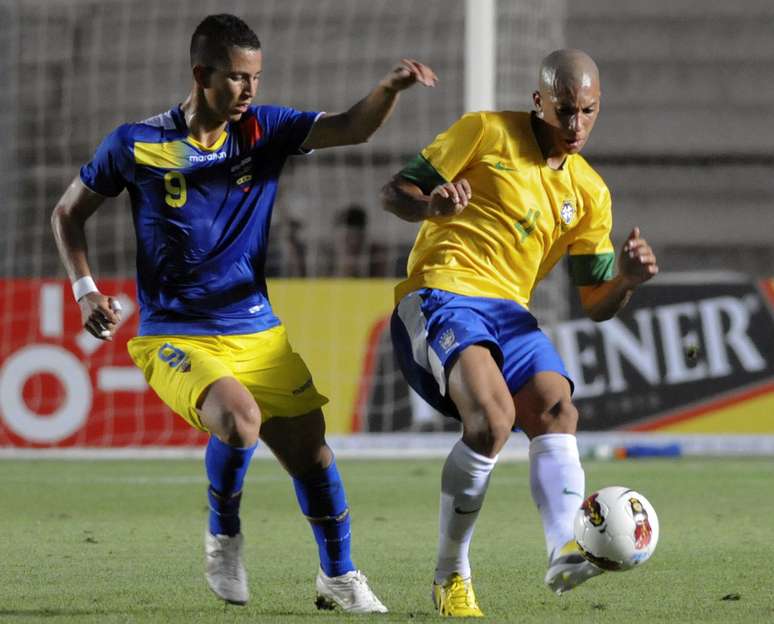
(453, 150)
(422, 173)
(592, 256)
(288, 128)
(110, 169)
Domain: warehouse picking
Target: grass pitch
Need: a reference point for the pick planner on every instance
(121, 541)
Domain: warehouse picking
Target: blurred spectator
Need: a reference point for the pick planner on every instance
(351, 253)
(286, 256)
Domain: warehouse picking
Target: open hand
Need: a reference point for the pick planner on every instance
(407, 73)
(637, 262)
(450, 199)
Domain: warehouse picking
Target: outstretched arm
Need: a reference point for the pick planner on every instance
(98, 312)
(636, 264)
(359, 123)
(406, 200)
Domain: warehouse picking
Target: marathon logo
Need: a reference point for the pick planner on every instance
(199, 158)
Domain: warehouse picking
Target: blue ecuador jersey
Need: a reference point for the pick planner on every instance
(201, 215)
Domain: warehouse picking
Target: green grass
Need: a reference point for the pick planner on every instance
(121, 541)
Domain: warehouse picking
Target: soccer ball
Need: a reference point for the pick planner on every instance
(616, 528)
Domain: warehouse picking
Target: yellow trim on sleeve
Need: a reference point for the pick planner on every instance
(168, 155)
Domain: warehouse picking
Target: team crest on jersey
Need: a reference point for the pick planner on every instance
(568, 212)
(447, 340)
(242, 173)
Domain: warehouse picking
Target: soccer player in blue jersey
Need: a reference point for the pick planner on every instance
(202, 178)
(502, 197)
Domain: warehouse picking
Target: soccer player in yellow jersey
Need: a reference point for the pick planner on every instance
(502, 197)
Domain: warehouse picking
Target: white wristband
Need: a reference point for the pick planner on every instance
(83, 286)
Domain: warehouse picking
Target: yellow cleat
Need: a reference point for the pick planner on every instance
(455, 598)
(568, 569)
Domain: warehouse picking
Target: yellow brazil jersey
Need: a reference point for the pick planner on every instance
(522, 219)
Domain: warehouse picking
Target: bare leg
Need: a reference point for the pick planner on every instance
(481, 396)
(299, 444)
(228, 410)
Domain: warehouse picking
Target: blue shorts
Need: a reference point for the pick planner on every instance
(430, 328)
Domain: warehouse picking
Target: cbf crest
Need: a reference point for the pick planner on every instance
(447, 340)
(568, 212)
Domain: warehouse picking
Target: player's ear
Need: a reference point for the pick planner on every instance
(201, 76)
(538, 102)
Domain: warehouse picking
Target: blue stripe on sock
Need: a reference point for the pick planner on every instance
(323, 501)
(226, 469)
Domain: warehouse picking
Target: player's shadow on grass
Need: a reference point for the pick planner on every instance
(332, 615)
(49, 612)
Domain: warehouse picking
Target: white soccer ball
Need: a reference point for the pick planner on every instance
(616, 528)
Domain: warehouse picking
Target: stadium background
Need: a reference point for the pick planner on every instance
(683, 141)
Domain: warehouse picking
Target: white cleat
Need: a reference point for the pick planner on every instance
(569, 569)
(225, 570)
(349, 592)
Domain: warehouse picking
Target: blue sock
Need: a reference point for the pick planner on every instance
(324, 503)
(226, 468)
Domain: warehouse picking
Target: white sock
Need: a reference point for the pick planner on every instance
(464, 481)
(558, 483)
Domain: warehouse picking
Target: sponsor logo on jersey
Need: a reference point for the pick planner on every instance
(242, 173)
(242, 164)
(198, 158)
(304, 386)
(501, 167)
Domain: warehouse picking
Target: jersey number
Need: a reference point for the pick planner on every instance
(527, 225)
(174, 183)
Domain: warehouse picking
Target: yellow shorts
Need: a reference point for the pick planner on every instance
(181, 368)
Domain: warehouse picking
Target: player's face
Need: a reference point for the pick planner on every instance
(231, 89)
(570, 112)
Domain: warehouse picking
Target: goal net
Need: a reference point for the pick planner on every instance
(73, 70)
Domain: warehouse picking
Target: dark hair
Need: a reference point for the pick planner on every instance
(214, 36)
(353, 215)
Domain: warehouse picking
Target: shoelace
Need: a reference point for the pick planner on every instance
(227, 552)
(360, 578)
(462, 598)
(360, 589)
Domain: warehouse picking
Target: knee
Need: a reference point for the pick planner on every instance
(560, 417)
(302, 464)
(230, 412)
(299, 443)
(488, 434)
(303, 458)
(240, 425)
(563, 416)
